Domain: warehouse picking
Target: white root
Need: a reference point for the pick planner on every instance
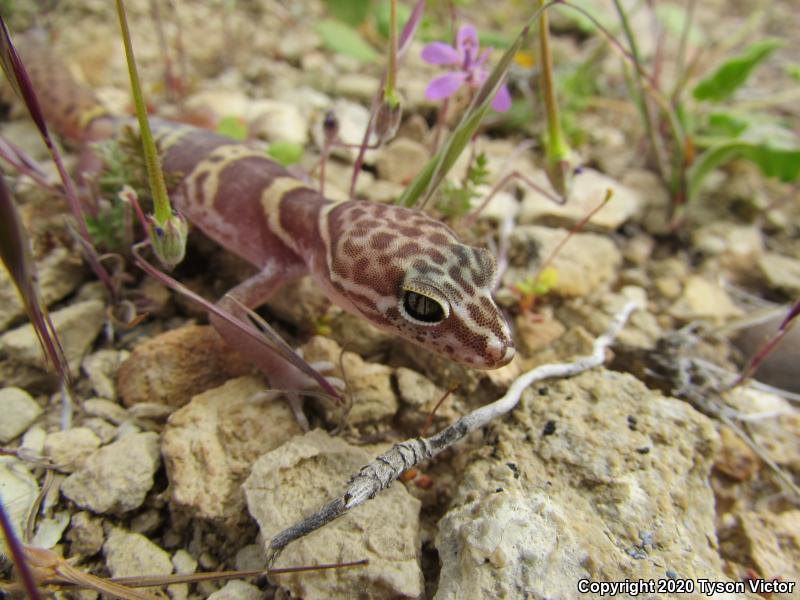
(381, 472)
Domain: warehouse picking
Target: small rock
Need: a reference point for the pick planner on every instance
(102, 429)
(301, 302)
(588, 191)
(85, 534)
(18, 489)
(773, 541)
(237, 590)
(704, 299)
(294, 480)
(176, 365)
(357, 86)
(275, 121)
(735, 458)
(77, 326)
(19, 411)
(146, 522)
(368, 384)
(60, 272)
(250, 558)
(210, 444)
(132, 554)
(502, 206)
(69, 449)
(184, 563)
(218, 102)
(105, 409)
(101, 368)
(401, 160)
(738, 245)
(781, 272)
(116, 477)
(585, 263)
(50, 529)
(537, 331)
(419, 395)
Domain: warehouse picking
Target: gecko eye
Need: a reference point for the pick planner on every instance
(424, 308)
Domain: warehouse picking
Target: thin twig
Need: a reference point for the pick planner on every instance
(381, 472)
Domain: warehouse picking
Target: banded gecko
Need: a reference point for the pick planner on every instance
(399, 269)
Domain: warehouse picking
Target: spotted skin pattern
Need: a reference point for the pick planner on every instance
(367, 257)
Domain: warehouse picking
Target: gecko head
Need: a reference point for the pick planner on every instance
(409, 275)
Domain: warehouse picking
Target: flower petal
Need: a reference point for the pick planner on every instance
(439, 53)
(502, 100)
(467, 44)
(445, 85)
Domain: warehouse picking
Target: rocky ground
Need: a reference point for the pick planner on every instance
(173, 464)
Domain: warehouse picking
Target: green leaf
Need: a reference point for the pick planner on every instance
(775, 150)
(286, 153)
(342, 38)
(352, 12)
(726, 124)
(232, 127)
(734, 72)
(793, 71)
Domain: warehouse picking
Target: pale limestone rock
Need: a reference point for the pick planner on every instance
(60, 272)
(593, 477)
(19, 411)
(116, 477)
(237, 590)
(584, 264)
(276, 121)
(588, 191)
(69, 449)
(101, 368)
(77, 326)
(704, 299)
(105, 409)
(18, 489)
(295, 480)
(418, 397)
(132, 554)
(85, 534)
(369, 385)
(773, 543)
(174, 366)
(737, 244)
(358, 86)
(781, 272)
(210, 444)
(401, 160)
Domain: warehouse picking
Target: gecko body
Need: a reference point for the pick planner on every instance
(399, 269)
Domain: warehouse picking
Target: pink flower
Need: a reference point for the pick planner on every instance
(469, 68)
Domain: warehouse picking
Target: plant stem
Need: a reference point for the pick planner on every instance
(556, 147)
(161, 205)
(391, 75)
(644, 106)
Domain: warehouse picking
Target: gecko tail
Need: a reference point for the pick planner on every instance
(70, 108)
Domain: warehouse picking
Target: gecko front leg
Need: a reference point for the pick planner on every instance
(250, 294)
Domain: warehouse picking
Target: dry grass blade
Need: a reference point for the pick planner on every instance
(50, 569)
(18, 77)
(16, 253)
(18, 555)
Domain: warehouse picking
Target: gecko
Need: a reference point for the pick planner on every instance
(397, 268)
